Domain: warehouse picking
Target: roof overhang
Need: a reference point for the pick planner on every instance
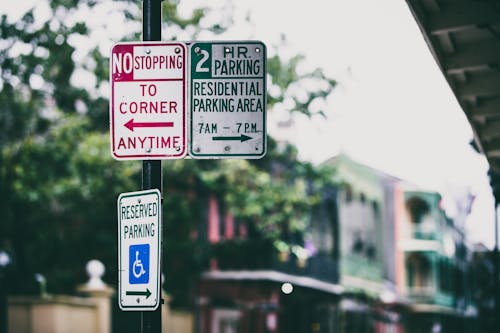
(464, 38)
(275, 276)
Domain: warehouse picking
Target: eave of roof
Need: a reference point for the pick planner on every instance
(464, 38)
(275, 276)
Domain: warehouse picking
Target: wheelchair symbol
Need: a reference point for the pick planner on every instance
(139, 264)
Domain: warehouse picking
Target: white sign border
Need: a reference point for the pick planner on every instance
(186, 71)
(251, 156)
(157, 262)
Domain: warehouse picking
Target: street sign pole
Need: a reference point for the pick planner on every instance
(151, 169)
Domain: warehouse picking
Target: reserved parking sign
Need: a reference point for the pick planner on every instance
(139, 250)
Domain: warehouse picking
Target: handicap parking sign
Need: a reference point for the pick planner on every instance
(139, 250)
(138, 264)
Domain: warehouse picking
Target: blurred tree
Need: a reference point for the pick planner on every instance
(59, 205)
(273, 197)
(304, 93)
(58, 181)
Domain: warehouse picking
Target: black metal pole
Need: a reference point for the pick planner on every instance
(496, 269)
(3, 303)
(151, 20)
(151, 169)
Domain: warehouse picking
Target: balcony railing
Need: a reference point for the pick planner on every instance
(421, 292)
(262, 255)
(429, 294)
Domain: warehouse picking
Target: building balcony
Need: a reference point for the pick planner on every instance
(429, 295)
(421, 293)
(258, 255)
(420, 245)
(424, 235)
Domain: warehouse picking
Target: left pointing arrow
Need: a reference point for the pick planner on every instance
(146, 293)
(131, 124)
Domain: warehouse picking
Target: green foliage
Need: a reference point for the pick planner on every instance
(253, 194)
(61, 187)
(273, 196)
(171, 15)
(300, 91)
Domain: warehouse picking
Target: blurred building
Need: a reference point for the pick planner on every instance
(377, 256)
(257, 286)
(434, 267)
(366, 220)
(486, 291)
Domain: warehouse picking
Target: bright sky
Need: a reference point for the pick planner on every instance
(392, 108)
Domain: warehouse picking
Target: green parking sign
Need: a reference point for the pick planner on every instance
(227, 100)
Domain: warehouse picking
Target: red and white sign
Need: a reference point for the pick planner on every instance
(148, 101)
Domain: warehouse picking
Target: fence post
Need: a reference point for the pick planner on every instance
(102, 293)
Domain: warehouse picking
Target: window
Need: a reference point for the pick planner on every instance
(419, 271)
(417, 208)
(225, 321)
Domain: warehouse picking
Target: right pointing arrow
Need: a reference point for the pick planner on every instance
(241, 138)
(146, 293)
